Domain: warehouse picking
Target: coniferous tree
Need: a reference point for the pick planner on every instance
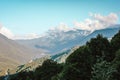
(100, 47)
(48, 69)
(115, 42)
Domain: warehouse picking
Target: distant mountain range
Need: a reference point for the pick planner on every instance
(56, 41)
(13, 54)
(109, 33)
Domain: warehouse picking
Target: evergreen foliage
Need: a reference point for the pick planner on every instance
(99, 59)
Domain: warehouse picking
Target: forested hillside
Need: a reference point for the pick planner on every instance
(99, 59)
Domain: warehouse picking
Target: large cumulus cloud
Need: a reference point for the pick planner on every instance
(97, 21)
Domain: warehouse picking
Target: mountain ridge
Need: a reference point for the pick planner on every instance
(56, 41)
(13, 54)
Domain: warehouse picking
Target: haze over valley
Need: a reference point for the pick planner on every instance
(59, 40)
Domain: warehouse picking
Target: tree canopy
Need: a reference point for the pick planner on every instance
(99, 59)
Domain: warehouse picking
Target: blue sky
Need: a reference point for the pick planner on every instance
(37, 16)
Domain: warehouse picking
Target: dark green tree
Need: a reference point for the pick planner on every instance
(22, 76)
(80, 62)
(100, 47)
(48, 69)
(115, 42)
(102, 70)
(116, 64)
(99, 59)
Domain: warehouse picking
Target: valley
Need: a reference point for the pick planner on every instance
(59, 40)
(21, 55)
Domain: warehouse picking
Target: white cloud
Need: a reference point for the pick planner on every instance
(108, 20)
(97, 21)
(6, 32)
(61, 27)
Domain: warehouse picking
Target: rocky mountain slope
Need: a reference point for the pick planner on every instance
(56, 41)
(61, 57)
(13, 54)
(29, 66)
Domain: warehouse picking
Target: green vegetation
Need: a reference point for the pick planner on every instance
(99, 59)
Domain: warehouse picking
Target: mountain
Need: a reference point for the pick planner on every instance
(87, 62)
(61, 57)
(13, 54)
(33, 64)
(55, 41)
(108, 33)
(29, 66)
